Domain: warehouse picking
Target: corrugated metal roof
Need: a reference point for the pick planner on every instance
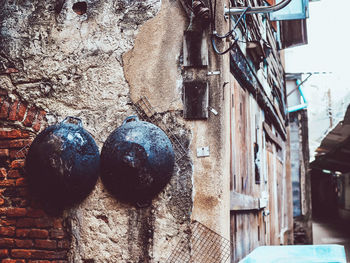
(334, 152)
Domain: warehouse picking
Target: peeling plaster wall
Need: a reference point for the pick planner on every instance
(154, 62)
(154, 68)
(71, 64)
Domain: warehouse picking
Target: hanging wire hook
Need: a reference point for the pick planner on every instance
(232, 32)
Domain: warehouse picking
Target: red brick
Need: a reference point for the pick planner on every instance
(25, 222)
(4, 253)
(13, 134)
(38, 233)
(23, 243)
(36, 212)
(38, 121)
(53, 255)
(4, 153)
(7, 183)
(11, 70)
(4, 110)
(7, 242)
(45, 244)
(13, 111)
(57, 223)
(30, 117)
(3, 173)
(21, 182)
(7, 222)
(57, 233)
(13, 261)
(63, 244)
(22, 232)
(16, 212)
(15, 143)
(21, 253)
(21, 111)
(17, 164)
(42, 254)
(43, 222)
(3, 92)
(14, 174)
(17, 154)
(7, 231)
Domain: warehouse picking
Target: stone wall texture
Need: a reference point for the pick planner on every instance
(66, 58)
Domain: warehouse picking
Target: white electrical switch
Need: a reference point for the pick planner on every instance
(213, 110)
(203, 151)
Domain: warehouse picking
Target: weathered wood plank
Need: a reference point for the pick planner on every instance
(245, 75)
(272, 136)
(241, 202)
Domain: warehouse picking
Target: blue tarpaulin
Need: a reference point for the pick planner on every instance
(297, 254)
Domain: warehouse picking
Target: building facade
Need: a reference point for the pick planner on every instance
(225, 115)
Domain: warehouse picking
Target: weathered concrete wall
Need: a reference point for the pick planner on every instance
(153, 68)
(301, 178)
(70, 63)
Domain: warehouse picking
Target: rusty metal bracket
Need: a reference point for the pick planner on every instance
(211, 73)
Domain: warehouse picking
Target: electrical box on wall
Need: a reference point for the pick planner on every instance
(196, 100)
(203, 151)
(195, 49)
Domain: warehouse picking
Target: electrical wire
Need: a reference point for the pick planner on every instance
(234, 27)
(225, 51)
(230, 33)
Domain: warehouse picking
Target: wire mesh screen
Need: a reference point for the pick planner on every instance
(22, 153)
(201, 245)
(147, 113)
(144, 109)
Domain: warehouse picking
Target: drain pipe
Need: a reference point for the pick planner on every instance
(258, 9)
(300, 106)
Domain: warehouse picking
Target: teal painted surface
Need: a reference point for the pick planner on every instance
(296, 9)
(297, 254)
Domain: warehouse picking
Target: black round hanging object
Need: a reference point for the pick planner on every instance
(137, 161)
(62, 163)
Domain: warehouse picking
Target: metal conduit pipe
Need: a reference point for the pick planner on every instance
(258, 9)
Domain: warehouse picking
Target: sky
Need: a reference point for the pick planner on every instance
(328, 50)
(328, 37)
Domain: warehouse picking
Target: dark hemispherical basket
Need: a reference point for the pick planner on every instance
(62, 163)
(137, 161)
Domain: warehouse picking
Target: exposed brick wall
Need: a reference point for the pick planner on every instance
(27, 232)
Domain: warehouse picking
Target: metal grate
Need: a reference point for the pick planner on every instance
(201, 245)
(147, 113)
(144, 109)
